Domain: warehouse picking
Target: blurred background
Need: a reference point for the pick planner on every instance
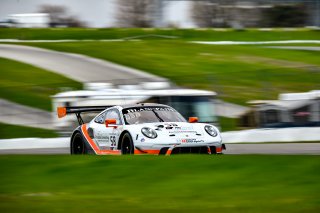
(251, 67)
(166, 13)
(237, 64)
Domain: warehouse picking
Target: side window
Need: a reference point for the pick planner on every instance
(114, 114)
(101, 118)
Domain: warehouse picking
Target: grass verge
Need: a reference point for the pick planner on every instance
(14, 131)
(237, 73)
(228, 124)
(185, 34)
(160, 184)
(29, 85)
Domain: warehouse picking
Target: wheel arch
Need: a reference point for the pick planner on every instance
(120, 138)
(86, 144)
(77, 130)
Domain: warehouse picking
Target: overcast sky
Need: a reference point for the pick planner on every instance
(96, 13)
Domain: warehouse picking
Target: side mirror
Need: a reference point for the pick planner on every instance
(193, 119)
(111, 123)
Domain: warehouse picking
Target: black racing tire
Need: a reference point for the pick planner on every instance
(78, 146)
(127, 147)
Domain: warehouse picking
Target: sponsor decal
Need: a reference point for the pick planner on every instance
(100, 136)
(170, 125)
(190, 140)
(175, 132)
(142, 109)
(102, 145)
(160, 126)
(184, 128)
(101, 139)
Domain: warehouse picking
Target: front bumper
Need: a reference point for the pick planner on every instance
(178, 149)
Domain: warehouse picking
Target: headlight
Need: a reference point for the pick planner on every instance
(211, 131)
(148, 132)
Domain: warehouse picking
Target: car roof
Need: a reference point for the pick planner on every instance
(143, 105)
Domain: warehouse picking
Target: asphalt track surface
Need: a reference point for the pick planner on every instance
(233, 149)
(81, 68)
(75, 66)
(17, 114)
(78, 67)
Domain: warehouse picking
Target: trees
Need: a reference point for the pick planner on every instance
(212, 13)
(56, 13)
(59, 16)
(250, 13)
(136, 13)
(285, 16)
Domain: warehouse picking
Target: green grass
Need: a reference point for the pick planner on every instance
(237, 73)
(160, 184)
(29, 85)
(228, 124)
(14, 131)
(186, 34)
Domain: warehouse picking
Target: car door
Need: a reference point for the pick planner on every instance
(99, 130)
(107, 137)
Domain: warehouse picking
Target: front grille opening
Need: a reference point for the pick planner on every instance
(190, 150)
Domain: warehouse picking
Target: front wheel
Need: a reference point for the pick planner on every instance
(78, 146)
(127, 145)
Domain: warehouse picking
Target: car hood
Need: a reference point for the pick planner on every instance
(175, 128)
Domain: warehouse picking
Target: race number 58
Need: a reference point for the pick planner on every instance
(113, 140)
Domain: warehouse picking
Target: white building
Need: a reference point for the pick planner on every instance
(29, 20)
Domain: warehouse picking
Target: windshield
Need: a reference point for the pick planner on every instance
(139, 115)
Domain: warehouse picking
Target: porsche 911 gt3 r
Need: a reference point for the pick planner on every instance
(141, 129)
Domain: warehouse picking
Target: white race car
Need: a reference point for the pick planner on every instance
(141, 129)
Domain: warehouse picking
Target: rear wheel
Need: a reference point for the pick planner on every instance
(78, 146)
(127, 145)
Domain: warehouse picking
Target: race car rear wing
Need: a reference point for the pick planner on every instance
(63, 111)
